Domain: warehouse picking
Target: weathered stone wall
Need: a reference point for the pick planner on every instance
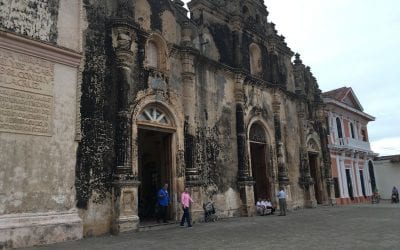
(34, 18)
(96, 155)
(38, 95)
(202, 79)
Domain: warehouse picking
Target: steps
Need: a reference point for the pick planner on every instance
(151, 226)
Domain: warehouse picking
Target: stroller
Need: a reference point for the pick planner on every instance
(395, 198)
(209, 212)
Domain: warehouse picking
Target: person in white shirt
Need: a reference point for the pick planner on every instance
(270, 207)
(265, 203)
(260, 207)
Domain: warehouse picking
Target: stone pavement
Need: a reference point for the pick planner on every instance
(363, 226)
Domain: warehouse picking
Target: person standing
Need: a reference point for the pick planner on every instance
(395, 195)
(282, 202)
(186, 200)
(163, 202)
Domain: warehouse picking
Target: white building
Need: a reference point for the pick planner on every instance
(387, 173)
(350, 151)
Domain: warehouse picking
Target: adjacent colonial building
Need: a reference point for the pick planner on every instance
(102, 102)
(387, 172)
(350, 151)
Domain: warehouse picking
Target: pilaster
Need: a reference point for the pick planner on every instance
(282, 168)
(124, 184)
(245, 180)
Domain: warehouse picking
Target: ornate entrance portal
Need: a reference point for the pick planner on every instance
(155, 133)
(258, 154)
(315, 170)
(154, 169)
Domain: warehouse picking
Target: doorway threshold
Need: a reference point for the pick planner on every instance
(153, 225)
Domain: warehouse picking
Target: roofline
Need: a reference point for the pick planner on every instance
(330, 100)
(392, 158)
(355, 98)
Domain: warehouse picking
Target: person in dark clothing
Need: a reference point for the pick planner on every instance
(395, 195)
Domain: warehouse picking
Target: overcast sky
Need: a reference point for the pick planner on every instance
(354, 43)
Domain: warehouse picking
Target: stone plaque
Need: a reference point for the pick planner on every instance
(26, 93)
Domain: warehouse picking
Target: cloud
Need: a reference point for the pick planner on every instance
(386, 146)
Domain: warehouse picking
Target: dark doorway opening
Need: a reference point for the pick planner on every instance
(315, 173)
(362, 182)
(349, 184)
(259, 170)
(372, 176)
(154, 151)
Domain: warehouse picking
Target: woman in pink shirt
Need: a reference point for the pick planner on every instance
(186, 200)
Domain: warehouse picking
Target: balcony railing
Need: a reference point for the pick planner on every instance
(349, 143)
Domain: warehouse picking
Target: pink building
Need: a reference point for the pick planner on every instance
(350, 151)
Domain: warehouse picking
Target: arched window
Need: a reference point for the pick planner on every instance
(339, 127)
(257, 133)
(154, 115)
(245, 10)
(352, 130)
(156, 53)
(255, 59)
(152, 55)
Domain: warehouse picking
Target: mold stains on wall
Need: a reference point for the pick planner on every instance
(33, 18)
(96, 150)
(223, 39)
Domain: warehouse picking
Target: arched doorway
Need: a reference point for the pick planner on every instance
(259, 162)
(315, 169)
(155, 131)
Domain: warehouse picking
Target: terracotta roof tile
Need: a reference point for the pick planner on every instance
(337, 94)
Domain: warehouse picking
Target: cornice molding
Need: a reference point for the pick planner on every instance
(46, 51)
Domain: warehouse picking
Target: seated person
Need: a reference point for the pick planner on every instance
(266, 209)
(268, 205)
(260, 207)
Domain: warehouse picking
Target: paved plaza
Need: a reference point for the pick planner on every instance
(364, 226)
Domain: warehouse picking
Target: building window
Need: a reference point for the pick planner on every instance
(336, 186)
(156, 53)
(154, 115)
(352, 130)
(152, 55)
(364, 135)
(339, 127)
(245, 10)
(255, 59)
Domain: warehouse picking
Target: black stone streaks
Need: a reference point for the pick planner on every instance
(241, 139)
(96, 154)
(278, 130)
(189, 146)
(24, 14)
(53, 9)
(157, 8)
(207, 152)
(223, 39)
(247, 40)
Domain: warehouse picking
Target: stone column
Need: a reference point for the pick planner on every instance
(189, 104)
(306, 181)
(125, 184)
(282, 168)
(326, 156)
(245, 180)
(192, 179)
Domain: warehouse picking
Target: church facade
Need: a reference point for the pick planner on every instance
(216, 102)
